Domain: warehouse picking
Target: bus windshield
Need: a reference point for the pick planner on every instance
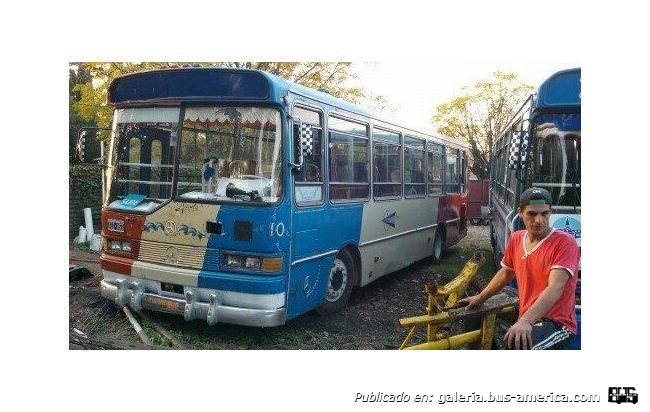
(230, 154)
(225, 154)
(141, 157)
(556, 154)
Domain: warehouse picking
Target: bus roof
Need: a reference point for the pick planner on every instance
(562, 89)
(208, 84)
(205, 84)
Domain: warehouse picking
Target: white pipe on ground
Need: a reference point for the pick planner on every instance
(89, 224)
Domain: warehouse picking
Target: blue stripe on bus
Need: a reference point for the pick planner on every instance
(243, 282)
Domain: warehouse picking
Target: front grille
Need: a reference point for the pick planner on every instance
(191, 257)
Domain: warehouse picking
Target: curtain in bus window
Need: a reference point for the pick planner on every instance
(133, 168)
(230, 145)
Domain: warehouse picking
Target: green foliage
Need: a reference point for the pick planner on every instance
(78, 78)
(89, 81)
(480, 113)
(85, 180)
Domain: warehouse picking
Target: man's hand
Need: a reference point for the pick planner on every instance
(518, 336)
(472, 301)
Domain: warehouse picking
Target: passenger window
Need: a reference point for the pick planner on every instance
(414, 166)
(348, 158)
(434, 168)
(387, 160)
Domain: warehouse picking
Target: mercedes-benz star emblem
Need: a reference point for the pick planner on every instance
(170, 227)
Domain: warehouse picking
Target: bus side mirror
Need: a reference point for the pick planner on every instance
(302, 138)
(89, 145)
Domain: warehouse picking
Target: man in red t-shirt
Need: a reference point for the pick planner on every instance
(545, 263)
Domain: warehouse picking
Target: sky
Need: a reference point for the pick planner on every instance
(416, 88)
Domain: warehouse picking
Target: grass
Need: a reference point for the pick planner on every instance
(85, 247)
(455, 259)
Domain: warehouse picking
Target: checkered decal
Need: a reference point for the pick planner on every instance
(518, 150)
(515, 149)
(523, 150)
(306, 139)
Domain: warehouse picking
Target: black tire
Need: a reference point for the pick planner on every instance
(340, 282)
(438, 246)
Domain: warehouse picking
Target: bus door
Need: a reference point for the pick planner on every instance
(452, 187)
(309, 272)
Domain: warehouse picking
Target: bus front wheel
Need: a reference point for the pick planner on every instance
(339, 284)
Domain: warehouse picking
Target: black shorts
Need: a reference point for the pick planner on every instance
(548, 334)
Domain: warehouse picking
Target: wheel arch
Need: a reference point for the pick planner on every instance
(354, 252)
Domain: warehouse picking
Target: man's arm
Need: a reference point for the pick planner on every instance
(498, 282)
(556, 282)
(519, 334)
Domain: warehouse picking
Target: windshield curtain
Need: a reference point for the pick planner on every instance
(141, 157)
(555, 163)
(231, 154)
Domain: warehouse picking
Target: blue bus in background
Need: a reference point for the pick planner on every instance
(235, 196)
(540, 147)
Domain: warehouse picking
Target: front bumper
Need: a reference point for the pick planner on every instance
(196, 303)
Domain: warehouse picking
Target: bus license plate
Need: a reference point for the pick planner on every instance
(165, 305)
(115, 225)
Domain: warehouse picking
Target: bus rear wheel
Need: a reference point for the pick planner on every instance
(339, 284)
(436, 254)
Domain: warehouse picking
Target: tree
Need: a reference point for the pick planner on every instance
(482, 111)
(77, 77)
(91, 105)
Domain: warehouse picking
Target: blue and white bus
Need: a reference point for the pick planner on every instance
(539, 147)
(235, 196)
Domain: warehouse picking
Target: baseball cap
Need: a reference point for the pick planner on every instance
(535, 196)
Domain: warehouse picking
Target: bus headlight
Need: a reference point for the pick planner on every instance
(252, 263)
(119, 246)
(232, 261)
(268, 265)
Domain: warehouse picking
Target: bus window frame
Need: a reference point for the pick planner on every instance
(361, 122)
(436, 183)
(400, 147)
(300, 105)
(422, 148)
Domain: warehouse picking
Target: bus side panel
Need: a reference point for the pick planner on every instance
(396, 234)
(322, 230)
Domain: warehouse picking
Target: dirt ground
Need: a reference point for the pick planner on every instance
(370, 320)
